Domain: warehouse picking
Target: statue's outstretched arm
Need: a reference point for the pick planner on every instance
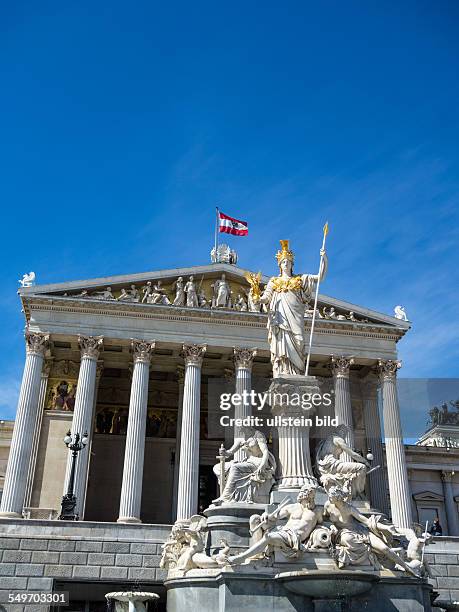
(342, 444)
(323, 267)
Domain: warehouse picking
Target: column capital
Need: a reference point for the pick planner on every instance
(36, 342)
(340, 366)
(446, 476)
(91, 346)
(387, 369)
(243, 357)
(142, 350)
(193, 354)
(180, 371)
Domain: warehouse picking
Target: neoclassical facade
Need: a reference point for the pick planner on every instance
(136, 363)
(129, 360)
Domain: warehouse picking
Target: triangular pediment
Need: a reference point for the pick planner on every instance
(130, 289)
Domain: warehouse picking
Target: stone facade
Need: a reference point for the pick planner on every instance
(146, 406)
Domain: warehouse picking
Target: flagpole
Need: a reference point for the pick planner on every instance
(315, 300)
(216, 234)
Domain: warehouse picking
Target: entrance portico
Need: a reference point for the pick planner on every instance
(130, 399)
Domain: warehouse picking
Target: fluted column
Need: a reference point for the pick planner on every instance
(243, 361)
(450, 505)
(376, 479)
(36, 436)
(131, 488)
(340, 367)
(181, 381)
(188, 487)
(14, 488)
(399, 489)
(83, 413)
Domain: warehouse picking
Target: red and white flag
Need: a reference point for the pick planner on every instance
(229, 225)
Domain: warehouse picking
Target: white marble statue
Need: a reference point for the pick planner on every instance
(180, 296)
(129, 296)
(240, 303)
(360, 539)
(27, 280)
(158, 295)
(245, 479)
(334, 471)
(191, 294)
(286, 296)
(399, 313)
(184, 550)
(268, 536)
(224, 254)
(222, 293)
(105, 294)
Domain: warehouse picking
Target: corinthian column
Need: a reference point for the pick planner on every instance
(36, 436)
(340, 367)
(377, 480)
(131, 489)
(187, 497)
(83, 413)
(243, 361)
(181, 382)
(399, 490)
(450, 505)
(15, 485)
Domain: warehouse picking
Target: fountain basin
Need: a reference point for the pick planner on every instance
(131, 601)
(327, 585)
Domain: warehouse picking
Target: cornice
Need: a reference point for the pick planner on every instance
(223, 317)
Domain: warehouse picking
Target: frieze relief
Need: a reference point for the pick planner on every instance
(206, 293)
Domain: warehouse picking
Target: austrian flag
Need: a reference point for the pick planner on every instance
(228, 225)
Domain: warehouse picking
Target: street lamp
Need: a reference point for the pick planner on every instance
(68, 503)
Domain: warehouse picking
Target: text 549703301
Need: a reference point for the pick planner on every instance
(60, 598)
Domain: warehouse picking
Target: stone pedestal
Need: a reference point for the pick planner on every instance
(294, 461)
(231, 522)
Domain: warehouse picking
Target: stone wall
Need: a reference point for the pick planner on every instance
(443, 557)
(34, 554)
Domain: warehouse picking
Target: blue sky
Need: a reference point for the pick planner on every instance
(122, 125)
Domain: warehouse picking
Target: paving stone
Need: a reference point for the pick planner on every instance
(9, 543)
(129, 560)
(40, 584)
(30, 569)
(144, 548)
(84, 546)
(45, 556)
(116, 547)
(136, 573)
(446, 559)
(16, 556)
(58, 571)
(74, 558)
(33, 544)
(120, 573)
(62, 545)
(151, 560)
(101, 559)
(87, 571)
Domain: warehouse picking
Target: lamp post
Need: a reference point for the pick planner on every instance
(69, 500)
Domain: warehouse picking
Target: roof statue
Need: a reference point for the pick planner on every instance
(400, 313)
(223, 254)
(27, 280)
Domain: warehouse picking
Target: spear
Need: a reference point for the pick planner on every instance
(315, 300)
